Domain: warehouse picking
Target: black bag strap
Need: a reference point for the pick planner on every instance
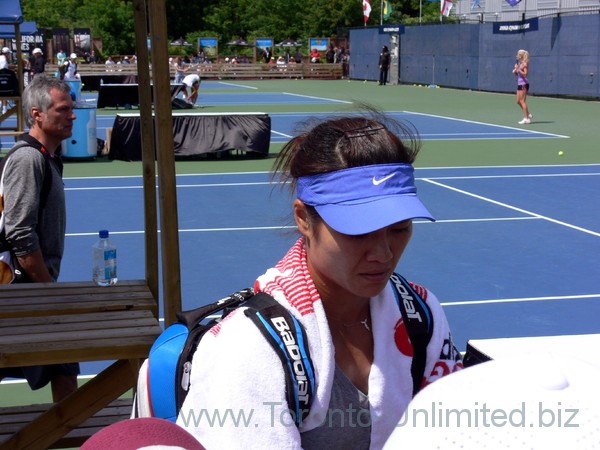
(285, 334)
(418, 320)
(46, 183)
(288, 338)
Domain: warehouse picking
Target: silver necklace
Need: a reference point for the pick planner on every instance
(364, 323)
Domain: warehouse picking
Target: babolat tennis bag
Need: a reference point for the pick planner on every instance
(164, 385)
(169, 363)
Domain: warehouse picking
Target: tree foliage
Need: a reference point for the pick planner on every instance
(112, 20)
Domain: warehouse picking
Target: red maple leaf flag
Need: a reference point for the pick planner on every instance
(366, 9)
(445, 7)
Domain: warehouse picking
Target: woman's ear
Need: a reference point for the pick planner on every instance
(301, 217)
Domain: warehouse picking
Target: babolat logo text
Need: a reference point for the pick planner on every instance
(293, 350)
(407, 299)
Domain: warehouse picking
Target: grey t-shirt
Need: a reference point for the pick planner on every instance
(348, 422)
(27, 228)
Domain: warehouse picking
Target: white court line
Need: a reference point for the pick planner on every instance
(237, 85)
(417, 169)
(472, 177)
(520, 300)
(281, 134)
(318, 98)
(292, 227)
(506, 300)
(485, 123)
(514, 208)
(539, 175)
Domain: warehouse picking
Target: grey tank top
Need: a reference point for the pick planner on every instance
(347, 424)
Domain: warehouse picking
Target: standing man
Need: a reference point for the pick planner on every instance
(34, 207)
(37, 62)
(70, 68)
(6, 59)
(6, 66)
(384, 65)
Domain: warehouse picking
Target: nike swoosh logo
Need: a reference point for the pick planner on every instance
(377, 182)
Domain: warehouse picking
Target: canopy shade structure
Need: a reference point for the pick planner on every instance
(7, 31)
(289, 43)
(180, 42)
(240, 43)
(10, 12)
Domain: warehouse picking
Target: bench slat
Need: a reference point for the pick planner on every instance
(50, 336)
(13, 418)
(43, 299)
(74, 322)
(42, 333)
(137, 346)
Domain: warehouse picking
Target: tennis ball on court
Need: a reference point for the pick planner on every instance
(561, 153)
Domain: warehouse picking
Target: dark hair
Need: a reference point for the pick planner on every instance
(344, 142)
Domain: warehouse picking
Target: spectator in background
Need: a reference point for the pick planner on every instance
(6, 59)
(93, 57)
(267, 54)
(345, 59)
(384, 65)
(180, 70)
(298, 56)
(109, 63)
(7, 66)
(330, 55)
(37, 62)
(69, 68)
(60, 57)
(315, 56)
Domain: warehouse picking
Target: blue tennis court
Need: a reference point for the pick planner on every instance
(513, 252)
(431, 127)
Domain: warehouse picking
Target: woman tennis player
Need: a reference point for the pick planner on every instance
(521, 70)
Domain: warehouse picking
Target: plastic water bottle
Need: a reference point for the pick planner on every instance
(105, 261)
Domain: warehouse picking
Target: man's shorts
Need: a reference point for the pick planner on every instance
(39, 376)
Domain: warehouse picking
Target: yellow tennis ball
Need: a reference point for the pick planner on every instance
(561, 153)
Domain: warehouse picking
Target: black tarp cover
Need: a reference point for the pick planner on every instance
(195, 134)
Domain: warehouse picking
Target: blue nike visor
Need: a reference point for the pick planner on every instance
(363, 199)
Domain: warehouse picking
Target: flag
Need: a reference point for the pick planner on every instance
(445, 7)
(475, 4)
(366, 9)
(387, 9)
(513, 2)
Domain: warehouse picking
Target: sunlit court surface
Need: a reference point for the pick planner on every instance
(513, 252)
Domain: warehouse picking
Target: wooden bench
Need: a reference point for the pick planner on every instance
(53, 323)
(217, 71)
(14, 418)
